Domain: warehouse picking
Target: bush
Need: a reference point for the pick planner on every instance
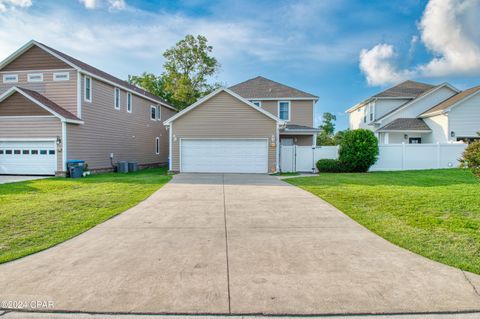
(471, 158)
(358, 150)
(330, 166)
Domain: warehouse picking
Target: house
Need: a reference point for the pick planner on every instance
(55, 108)
(414, 112)
(240, 129)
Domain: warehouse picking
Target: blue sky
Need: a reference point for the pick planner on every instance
(341, 50)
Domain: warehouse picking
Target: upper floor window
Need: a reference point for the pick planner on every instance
(10, 78)
(35, 77)
(117, 99)
(284, 110)
(153, 113)
(129, 102)
(88, 89)
(159, 113)
(61, 76)
(257, 103)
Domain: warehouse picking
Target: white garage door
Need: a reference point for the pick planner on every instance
(27, 157)
(224, 155)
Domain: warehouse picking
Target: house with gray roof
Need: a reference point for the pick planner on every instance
(413, 112)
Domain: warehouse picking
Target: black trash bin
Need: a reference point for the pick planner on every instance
(75, 168)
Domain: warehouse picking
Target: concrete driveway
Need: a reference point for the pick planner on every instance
(18, 178)
(238, 244)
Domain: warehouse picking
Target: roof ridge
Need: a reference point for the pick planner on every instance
(275, 85)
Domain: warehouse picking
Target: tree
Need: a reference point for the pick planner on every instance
(328, 123)
(326, 136)
(187, 69)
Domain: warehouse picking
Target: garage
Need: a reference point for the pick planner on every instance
(28, 157)
(224, 155)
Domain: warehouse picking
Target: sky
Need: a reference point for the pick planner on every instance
(340, 50)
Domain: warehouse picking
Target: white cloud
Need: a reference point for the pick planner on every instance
(7, 4)
(449, 30)
(89, 4)
(379, 67)
(117, 4)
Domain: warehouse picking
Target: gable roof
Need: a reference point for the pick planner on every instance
(406, 89)
(44, 103)
(87, 69)
(406, 124)
(214, 93)
(263, 88)
(442, 106)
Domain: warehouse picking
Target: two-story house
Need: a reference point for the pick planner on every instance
(55, 108)
(240, 129)
(413, 112)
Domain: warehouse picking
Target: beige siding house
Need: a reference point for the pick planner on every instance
(54, 108)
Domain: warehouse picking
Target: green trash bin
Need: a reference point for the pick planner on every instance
(75, 168)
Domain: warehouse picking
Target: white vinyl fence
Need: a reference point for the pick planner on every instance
(392, 157)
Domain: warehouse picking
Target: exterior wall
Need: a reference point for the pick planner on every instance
(32, 127)
(384, 106)
(18, 105)
(35, 59)
(399, 138)
(223, 116)
(465, 118)
(129, 136)
(355, 119)
(439, 126)
(301, 111)
(300, 140)
(64, 93)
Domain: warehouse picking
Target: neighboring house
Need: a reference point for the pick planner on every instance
(239, 130)
(414, 112)
(54, 108)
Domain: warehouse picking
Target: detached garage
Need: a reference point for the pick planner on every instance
(223, 133)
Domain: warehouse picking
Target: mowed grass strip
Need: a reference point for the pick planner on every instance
(434, 213)
(38, 214)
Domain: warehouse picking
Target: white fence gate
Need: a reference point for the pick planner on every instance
(392, 157)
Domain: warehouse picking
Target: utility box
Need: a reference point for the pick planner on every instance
(132, 166)
(122, 167)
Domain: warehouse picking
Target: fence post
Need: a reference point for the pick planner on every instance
(313, 159)
(438, 155)
(403, 155)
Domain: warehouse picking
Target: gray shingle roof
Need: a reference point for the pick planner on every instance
(452, 100)
(406, 89)
(260, 87)
(406, 124)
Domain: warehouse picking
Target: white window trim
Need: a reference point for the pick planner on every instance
(157, 145)
(256, 101)
(85, 89)
(289, 110)
(30, 75)
(115, 90)
(150, 115)
(159, 113)
(129, 102)
(10, 81)
(67, 78)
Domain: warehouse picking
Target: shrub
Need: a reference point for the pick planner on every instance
(471, 158)
(358, 150)
(330, 166)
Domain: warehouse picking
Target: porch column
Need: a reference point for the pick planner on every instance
(386, 138)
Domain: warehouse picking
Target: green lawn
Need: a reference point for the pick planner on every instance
(35, 215)
(435, 213)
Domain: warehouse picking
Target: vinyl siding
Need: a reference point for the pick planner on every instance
(302, 111)
(300, 140)
(64, 93)
(439, 126)
(382, 107)
(223, 116)
(18, 105)
(35, 59)
(465, 118)
(129, 136)
(31, 127)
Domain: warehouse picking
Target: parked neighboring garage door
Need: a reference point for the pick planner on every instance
(224, 155)
(28, 157)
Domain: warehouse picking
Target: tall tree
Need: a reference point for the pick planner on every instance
(187, 69)
(325, 137)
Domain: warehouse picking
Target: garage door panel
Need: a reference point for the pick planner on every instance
(224, 155)
(27, 157)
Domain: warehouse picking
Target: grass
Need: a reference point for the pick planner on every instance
(434, 213)
(38, 214)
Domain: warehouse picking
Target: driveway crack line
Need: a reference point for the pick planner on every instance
(471, 283)
(226, 242)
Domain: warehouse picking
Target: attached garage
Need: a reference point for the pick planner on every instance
(224, 155)
(224, 133)
(28, 157)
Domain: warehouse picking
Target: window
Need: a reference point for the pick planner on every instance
(1, 152)
(415, 140)
(61, 76)
(51, 152)
(16, 152)
(35, 77)
(257, 103)
(10, 78)
(43, 152)
(153, 113)
(157, 145)
(87, 89)
(159, 113)
(284, 110)
(129, 102)
(8, 152)
(117, 98)
(25, 152)
(34, 152)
